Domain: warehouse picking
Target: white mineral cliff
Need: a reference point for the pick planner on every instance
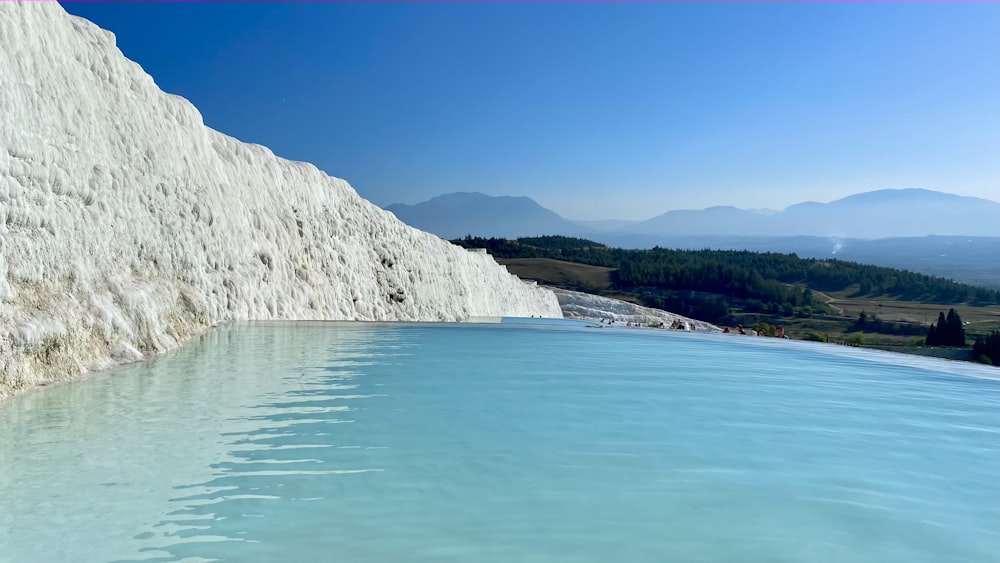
(126, 225)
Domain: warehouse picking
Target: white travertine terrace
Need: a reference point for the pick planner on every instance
(127, 226)
(594, 307)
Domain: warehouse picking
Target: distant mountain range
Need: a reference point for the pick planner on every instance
(458, 214)
(869, 215)
(914, 229)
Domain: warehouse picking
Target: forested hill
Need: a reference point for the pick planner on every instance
(776, 280)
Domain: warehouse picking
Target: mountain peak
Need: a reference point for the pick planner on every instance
(457, 214)
(875, 214)
(899, 195)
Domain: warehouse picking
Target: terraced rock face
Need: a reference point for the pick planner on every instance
(594, 307)
(126, 225)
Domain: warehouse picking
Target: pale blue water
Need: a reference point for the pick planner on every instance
(504, 443)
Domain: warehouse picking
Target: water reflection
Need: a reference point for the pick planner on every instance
(403, 443)
(277, 452)
(177, 432)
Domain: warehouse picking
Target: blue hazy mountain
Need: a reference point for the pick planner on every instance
(712, 221)
(895, 213)
(920, 230)
(607, 225)
(458, 214)
(869, 215)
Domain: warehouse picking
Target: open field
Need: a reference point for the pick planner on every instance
(570, 275)
(838, 326)
(828, 329)
(888, 309)
(844, 312)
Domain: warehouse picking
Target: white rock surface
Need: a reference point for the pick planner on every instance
(596, 308)
(126, 225)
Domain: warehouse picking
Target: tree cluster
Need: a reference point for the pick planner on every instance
(987, 349)
(760, 282)
(871, 323)
(948, 331)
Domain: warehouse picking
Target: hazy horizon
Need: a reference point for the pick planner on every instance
(596, 111)
(766, 211)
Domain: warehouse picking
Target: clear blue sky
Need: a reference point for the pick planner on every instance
(594, 110)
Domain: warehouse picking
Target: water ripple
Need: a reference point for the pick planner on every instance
(499, 443)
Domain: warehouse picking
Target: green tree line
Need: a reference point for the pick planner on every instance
(987, 349)
(710, 280)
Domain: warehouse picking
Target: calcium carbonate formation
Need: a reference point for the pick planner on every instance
(596, 308)
(126, 225)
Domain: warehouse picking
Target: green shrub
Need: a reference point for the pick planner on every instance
(815, 337)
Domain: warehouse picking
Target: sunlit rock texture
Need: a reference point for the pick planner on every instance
(596, 308)
(127, 226)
